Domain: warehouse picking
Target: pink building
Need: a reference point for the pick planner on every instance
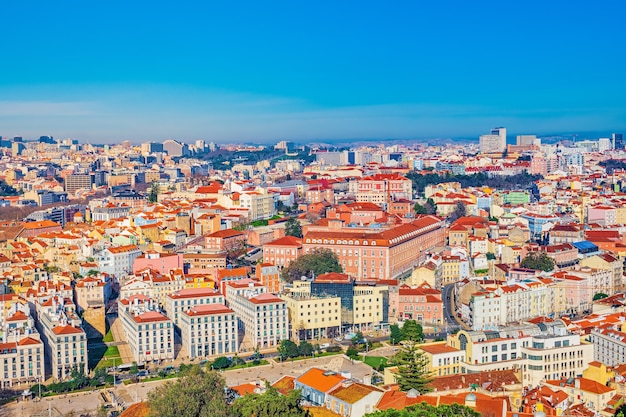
(282, 251)
(161, 262)
(603, 215)
(423, 304)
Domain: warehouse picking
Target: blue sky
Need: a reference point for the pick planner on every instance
(264, 71)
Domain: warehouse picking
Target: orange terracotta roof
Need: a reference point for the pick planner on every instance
(66, 330)
(141, 409)
(320, 379)
(353, 392)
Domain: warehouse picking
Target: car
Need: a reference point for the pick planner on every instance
(324, 345)
(339, 339)
(142, 373)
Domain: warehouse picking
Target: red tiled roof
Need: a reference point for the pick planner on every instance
(286, 241)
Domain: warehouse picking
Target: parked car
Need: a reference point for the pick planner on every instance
(324, 345)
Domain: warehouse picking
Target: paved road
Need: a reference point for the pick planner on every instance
(129, 394)
(449, 310)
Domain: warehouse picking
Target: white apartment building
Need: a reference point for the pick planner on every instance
(64, 339)
(260, 204)
(118, 261)
(182, 300)
(494, 142)
(609, 346)
(263, 317)
(244, 287)
(21, 349)
(542, 351)
(484, 310)
(149, 332)
(556, 356)
(209, 330)
(519, 301)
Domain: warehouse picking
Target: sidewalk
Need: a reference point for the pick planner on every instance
(120, 338)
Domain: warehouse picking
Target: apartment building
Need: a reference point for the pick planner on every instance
(21, 348)
(183, 300)
(364, 305)
(313, 317)
(209, 330)
(423, 304)
(157, 261)
(381, 189)
(380, 255)
(442, 358)
(539, 350)
(149, 332)
(224, 240)
(262, 316)
(607, 261)
(281, 252)
(269, 276)
(260, 204)
(197, 263)
(118, 261)
(65, 341)
(609, 345)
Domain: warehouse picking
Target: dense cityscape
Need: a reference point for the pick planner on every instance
(487, 274)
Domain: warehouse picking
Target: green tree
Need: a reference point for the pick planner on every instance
(599, 296)
(319, 261)
(293, 227)
(197, 394)
(426, 410)
(287, 349)
(270, 404)
(539, 261)
(412, 330)
(305, 348)
(221, 363)
(419, 209)
(352, 353)
(134, 369)
(396, 335)
(153, 195)
(412, 366)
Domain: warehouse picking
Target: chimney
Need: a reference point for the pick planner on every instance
(577, 383)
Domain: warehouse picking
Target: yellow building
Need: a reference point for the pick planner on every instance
(443, 359)
(620, 215)
(313, 317)
(458, 236)
(424, 273)
(450, 269)
(598, 372)
(368, 306)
